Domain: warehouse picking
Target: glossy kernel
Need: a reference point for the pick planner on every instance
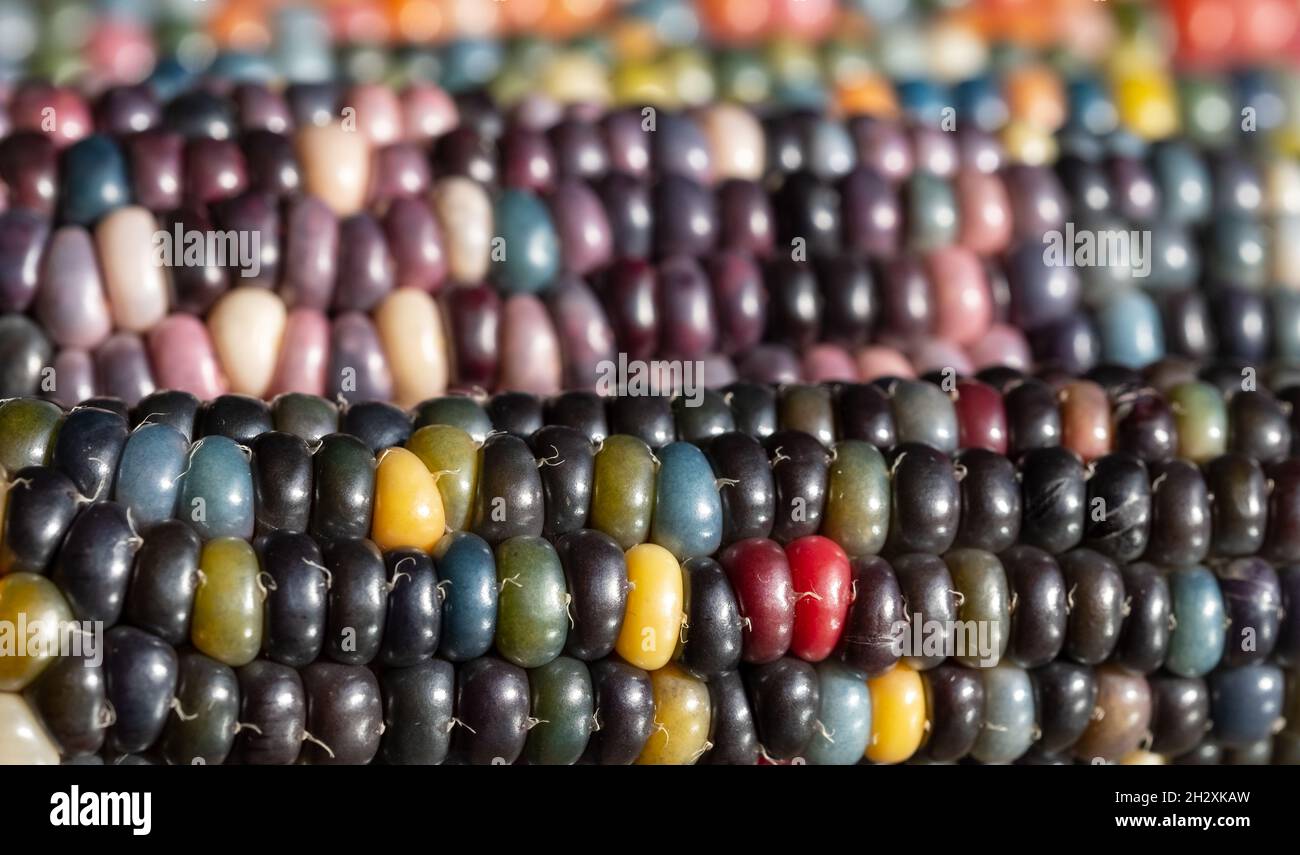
(652, 621)
(227, 623)
(687, 518)
(216, 494)
(451, 455)
(408, 506)
(820, 576)
(857, 499)
(532, 617)
(897, 715)
(32, 603)
(1201, 419)
(23, 741)
(681, 717)
(622, 498)
(27, 432)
